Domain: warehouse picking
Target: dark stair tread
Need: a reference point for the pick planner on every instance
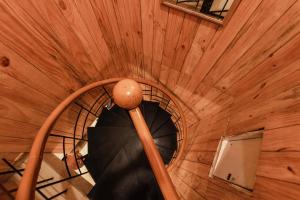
(166, 129)
(135, 152)
(90, 165)
(163, 133)
(161, 118)
(120, 111)
(99, 136)
(147, 182)
(127, 178)
(111, 118)
(149, 110)
(104, 144)
(107, 138)
(116, 159)
(169, 142)
(166, 154)
(119, 181)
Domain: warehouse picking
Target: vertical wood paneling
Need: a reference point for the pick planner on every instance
(29, 75)
(173, 31)
(272, 189)
(285, 29)
(147, 17)
(28, 46)
(87, 14)
(252, 31)
(107, 21)
(222, 39)
(187, 35)
(159, 31)
(204, 35)
(95, 62)
(277, 65)
(134, 9)
(77, 58)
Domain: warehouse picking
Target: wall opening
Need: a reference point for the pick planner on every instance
(216, 11)
(236, 159)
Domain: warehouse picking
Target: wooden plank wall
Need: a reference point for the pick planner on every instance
(249, 80)
(258, 71)
(234, 78)
(48, 49)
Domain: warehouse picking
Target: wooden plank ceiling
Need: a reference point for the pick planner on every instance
(234, 78)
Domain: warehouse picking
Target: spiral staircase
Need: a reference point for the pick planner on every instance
(116, 159)
(138, 133)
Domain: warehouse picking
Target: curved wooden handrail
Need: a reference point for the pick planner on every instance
(27, 185)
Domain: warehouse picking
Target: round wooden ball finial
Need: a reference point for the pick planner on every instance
(127, 94)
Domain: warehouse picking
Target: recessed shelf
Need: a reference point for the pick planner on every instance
(236, 159)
